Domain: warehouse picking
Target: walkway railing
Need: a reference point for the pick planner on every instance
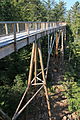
(9, 27)
(17, 34)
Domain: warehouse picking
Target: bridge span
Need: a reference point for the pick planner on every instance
(16, 35)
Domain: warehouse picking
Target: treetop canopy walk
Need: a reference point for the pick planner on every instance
(16, 35)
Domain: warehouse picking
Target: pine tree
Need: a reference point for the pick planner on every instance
(73, 18)
(59, 11)
(49, 4)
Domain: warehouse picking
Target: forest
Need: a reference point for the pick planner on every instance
(14, 68)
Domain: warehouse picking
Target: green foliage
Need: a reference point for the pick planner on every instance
(59, 11)
(55, 11)
(72, 59)
(13, 79)
(14, 70)
(73, 19)
(72, 93)
(8, 11)
(32, 10)
(49, 4)
(9, 99)
(72, 77)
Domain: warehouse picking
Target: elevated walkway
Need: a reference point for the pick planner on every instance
(15, 35)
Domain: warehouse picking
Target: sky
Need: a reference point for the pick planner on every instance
(69, 3)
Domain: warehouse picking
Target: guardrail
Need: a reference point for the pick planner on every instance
(17, 34)
(13, 27)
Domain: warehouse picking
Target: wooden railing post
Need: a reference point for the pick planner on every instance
(46, 25)
(41, 26)
(27, 27)
(53, 24)
(17, 27)
(36, 26)
(15, 49)
(6, 28)
(50, 25)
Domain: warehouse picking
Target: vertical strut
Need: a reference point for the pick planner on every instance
(31, 65)
(45, 89)
(29, 81)
(35, 62)
(50, 47)
(62, 46)
(57, 42)
(42, 84)
(48, 55)
(48, 42)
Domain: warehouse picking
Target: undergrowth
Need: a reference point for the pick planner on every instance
(71, 81)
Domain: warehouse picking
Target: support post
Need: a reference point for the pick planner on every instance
(45, 89)
(31, 65)
(48, 42)
(57, 41)
(50, 47)
(65, 34)
(42, 82)
(35, 63)
(62, 46)
(29, 81)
